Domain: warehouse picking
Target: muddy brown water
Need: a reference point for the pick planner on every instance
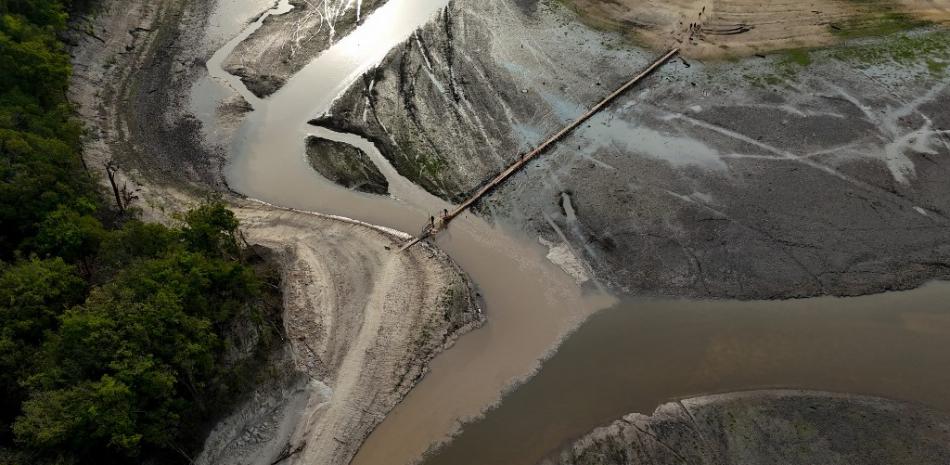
(629, 358)
(530, 303)
(640, 354)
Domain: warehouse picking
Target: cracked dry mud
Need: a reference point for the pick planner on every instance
(767, 177)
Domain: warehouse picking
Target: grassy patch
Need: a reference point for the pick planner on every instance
(876, 23)
(798, 57)
(936, 67)
(929, 48)
(787, 66)
(875, 18)
(424, 168)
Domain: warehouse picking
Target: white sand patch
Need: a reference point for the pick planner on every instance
(561, 255)
(678, 150)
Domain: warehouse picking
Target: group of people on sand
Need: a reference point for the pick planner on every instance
(436, 224)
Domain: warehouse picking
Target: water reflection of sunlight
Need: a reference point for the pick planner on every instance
(391, 23)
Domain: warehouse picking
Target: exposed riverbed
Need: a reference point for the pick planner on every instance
(531, 304)
(630, 358)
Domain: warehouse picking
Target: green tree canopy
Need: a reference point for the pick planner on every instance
(33, 294)
(143, 351)
(113, 332)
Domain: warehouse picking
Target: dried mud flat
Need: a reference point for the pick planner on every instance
(793, 175)
(709, 28)
(706, 184)
(765, 427)
(129, 86)
(361, 320)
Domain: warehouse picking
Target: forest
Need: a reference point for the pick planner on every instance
(116, 336)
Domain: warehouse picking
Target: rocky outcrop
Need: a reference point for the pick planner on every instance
(770, 427)
(345, 165)
(785, 176)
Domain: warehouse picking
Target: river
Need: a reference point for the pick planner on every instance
(629, 358)
(642, 353)
(530, 303)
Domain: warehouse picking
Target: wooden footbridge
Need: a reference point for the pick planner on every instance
(443, 221)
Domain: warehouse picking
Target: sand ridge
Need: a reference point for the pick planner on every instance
(710, 28)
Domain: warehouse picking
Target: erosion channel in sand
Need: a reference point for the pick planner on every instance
(531, 304)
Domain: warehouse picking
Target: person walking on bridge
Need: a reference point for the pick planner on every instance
(443, 220)
(427, 230)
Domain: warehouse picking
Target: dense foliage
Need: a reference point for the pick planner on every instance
(114, 334)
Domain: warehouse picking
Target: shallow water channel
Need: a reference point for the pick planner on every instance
(629, 358)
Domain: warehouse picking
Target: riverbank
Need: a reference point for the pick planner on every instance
(789, 427)
(361, 321)
(131, 108)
